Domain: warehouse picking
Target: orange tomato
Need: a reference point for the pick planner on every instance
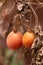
(14, 40)
(28, 39)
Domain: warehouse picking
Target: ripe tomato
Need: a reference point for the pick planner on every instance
(14, 40)
(28, 39)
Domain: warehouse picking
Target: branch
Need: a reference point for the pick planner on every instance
(35, 15)
(40, 3)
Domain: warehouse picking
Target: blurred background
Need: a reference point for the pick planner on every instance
(8, 10)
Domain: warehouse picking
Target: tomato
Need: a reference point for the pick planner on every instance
(14, 40)
(28, 39)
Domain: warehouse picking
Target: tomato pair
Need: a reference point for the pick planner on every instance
(15, 40)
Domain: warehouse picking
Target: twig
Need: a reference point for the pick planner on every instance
(35, 15)
(40, 3)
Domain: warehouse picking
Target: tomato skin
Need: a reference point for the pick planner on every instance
(14, 40)
(28, 39)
